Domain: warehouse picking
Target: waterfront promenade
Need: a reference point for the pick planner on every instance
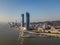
(40, 34)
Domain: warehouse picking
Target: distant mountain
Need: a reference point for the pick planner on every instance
(53, 23)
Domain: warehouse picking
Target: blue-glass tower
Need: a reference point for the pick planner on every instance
(27, 20)
(22, 15)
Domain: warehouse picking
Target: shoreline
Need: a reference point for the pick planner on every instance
(43, 34)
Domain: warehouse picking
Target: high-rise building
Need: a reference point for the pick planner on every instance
(27, 20)
(22, 15)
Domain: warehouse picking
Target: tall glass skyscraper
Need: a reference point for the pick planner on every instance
(22, 15)
(27, 20)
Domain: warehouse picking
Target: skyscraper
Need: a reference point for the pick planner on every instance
(22, 15)
(27, 20)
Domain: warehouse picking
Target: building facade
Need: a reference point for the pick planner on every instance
(27, 20)
(22, 15)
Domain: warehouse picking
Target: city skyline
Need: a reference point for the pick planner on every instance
(40, 10)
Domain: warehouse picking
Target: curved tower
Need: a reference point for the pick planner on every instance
(27, 20)
(22, 15)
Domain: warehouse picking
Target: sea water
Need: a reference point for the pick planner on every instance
(9, 36)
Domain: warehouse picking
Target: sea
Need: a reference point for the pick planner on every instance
(9, 36)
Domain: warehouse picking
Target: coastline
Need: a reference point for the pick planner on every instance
(41, 34)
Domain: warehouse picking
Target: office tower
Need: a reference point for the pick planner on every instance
(22, 15)
(27, 20)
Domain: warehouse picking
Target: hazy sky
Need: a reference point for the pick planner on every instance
(40, 10)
